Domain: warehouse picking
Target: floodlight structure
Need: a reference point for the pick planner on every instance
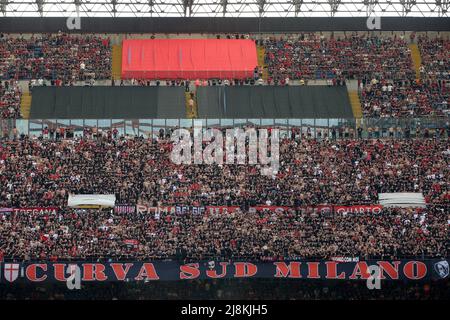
(225, 8)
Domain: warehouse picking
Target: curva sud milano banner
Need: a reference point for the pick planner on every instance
(410, 270)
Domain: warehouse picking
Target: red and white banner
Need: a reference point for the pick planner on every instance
(358, 209)
(34, 210)
(209, 209)
(322, 208)
(131, 242)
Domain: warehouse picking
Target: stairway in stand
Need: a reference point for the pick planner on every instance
(355, 103)
(116, 66)
(261, 52)
(25, 105)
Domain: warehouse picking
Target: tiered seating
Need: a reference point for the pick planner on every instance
(382, 65)
(311, 173)
(9, 100)
(61, 56)
(435, 53)
(239, 235)
(402, 99)
(428, 97)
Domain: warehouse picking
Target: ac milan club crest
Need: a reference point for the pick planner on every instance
(11, 271)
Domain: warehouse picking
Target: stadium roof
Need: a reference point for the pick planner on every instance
(224, 8)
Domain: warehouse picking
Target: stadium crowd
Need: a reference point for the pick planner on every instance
(59, 56)
(382, 66)
(240, 234)
(408, 96)
(435, 55)
(313, 56)
(9, 99)
(403, 98)
(42, 172)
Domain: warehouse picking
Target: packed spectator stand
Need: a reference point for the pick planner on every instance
(403, 98)
(9, 99)
(320, 167)
(55, 57)
(59, 59)
(42, 171)
(38, 172)
(435, 58)
(381, 64)
(256, 236)
(313, 56)
(340, 168)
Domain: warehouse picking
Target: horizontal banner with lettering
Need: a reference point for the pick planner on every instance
(358, 209)
(172, 270)
(181, 209)
(39, 210)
